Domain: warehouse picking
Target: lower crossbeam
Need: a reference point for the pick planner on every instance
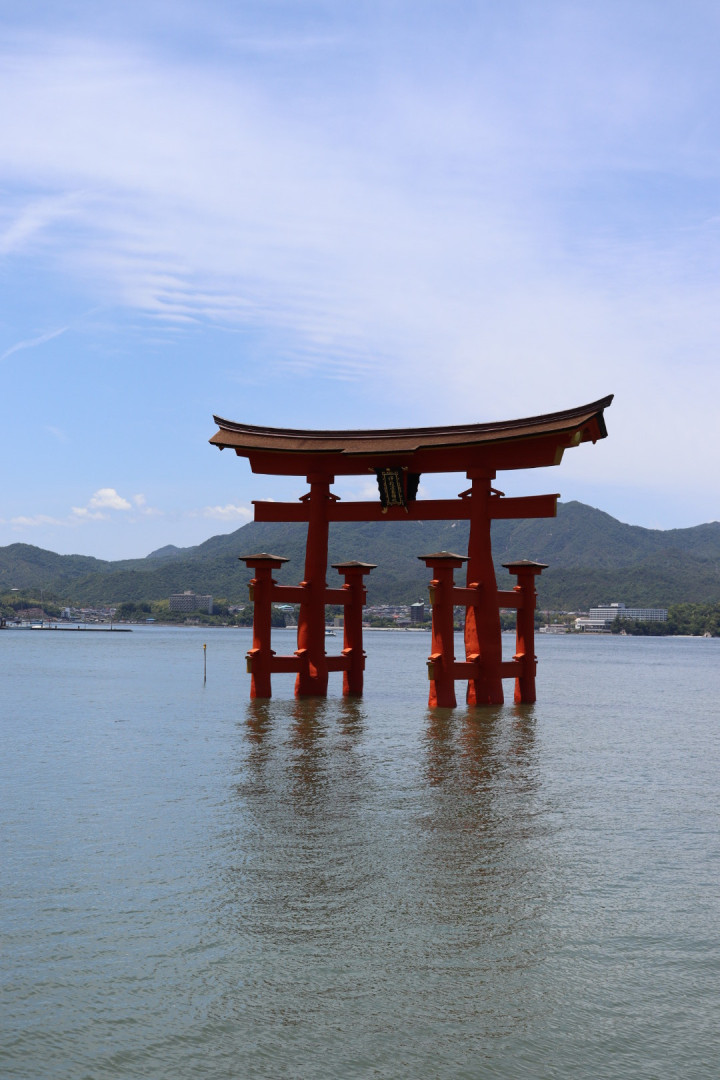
(474, 669)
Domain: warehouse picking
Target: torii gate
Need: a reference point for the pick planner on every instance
(398, 458)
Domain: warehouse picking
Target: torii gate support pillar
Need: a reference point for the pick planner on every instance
(526, 572)
(441, 662)
(353, 650)
(260, 657)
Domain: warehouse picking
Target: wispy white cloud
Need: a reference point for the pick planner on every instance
(31, 343)
(101, 506)
(33, 217)
(427, 233)
(82, 513)
(142, 507)
(103, 500)
(35, 521)
(227, 513)
(280, 43)
(360, 488)
(57, 433)
(108, 498)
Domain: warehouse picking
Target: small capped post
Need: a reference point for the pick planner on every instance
(354, 572)
(259, 658)
(526, 571)
(442, 650)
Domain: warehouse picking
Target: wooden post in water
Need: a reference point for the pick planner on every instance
(441, 662)
(482, 619)
(259, 658)
(312, 680)
(352, 624)
(526, 571)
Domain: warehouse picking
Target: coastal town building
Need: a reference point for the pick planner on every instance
(190, 601)
(417, 612)
(600, 619)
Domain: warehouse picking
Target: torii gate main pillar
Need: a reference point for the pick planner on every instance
(482, 621)
(312, 681)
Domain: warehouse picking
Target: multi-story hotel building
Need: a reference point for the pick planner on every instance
(190, 601)
(602, 618)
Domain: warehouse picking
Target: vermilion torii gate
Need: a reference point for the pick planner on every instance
(398, 458)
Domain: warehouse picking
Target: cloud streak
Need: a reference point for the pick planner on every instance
(108, 498)
(33, 218)
(35, 521)
(228, 513)
(364, 249)
(103, 505)
(32, 343)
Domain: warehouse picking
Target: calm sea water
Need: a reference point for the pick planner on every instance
(198, 887)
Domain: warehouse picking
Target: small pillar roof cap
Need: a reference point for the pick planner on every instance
(443, 556)
(353, 564)
(262, 557)
(525, 564)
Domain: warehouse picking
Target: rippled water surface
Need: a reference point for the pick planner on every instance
(197, 886)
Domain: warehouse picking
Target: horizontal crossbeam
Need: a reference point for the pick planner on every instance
(276, 665)
(529, 506)
(287, 594)
(338, 663)
(297, 594)
(285, 665)
(466, 597)
(472, 669)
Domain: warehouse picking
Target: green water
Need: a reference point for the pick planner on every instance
(193, 886)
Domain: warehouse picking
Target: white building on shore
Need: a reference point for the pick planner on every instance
(600, 619)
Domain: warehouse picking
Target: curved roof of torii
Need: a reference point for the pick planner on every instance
(507, 444)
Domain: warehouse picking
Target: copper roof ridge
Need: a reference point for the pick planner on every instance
(458, 429)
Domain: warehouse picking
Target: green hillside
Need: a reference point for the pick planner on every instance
(23, 566)
(592, 558)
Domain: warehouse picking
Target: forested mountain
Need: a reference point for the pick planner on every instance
(592, 558)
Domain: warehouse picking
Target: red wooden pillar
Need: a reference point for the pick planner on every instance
(483, 635)
(442, 649)
(526, 571)
(313, 679)
(259, 659)
(352, 631)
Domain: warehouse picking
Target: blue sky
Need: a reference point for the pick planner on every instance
(350, 215)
